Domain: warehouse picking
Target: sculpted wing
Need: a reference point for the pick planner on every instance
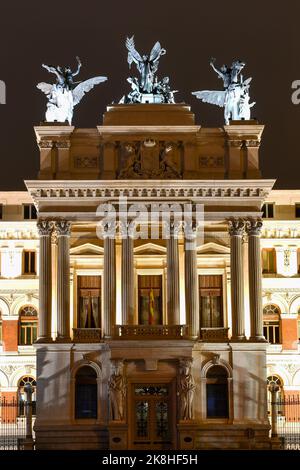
(85, 87)
(155, 52)
(45, 87)
(212, 97)
(133, 54)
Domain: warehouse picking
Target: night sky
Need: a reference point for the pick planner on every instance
(265, 34)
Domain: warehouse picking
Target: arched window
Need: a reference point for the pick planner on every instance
(275, 380)
(0, 327)
(217, 403)
(27, 325)
(299, 324)
(86, 393)
(271, 317)
(22, 395)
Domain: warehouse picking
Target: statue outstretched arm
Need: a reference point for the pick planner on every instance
(51, 69)
(78, 67)
(218, 72)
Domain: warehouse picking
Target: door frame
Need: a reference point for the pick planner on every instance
(152, 380)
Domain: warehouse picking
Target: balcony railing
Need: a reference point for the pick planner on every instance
(150, 331)
(214, 334)
(87, 335)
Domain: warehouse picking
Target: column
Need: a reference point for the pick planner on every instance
(63, 231)
(45, 228)
(191, 285)
(127, 277)
(255, 289)
(109, 282)
(173, 299)
(236, 231)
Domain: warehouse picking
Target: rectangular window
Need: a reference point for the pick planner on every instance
(268, 210)
(211, 301)
(268, 260)
(1, 211)
(89, 302)
(150, 299)
(272, 332)
(29, 212)
(297, 210)
(29, 262)
(28, 333)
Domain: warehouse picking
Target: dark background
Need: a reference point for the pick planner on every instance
(263, 33)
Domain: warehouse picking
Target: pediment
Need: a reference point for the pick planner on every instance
(87, 249)
(212, 248)
(150, 249)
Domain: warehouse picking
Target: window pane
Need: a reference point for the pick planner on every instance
(26, 209)
(217, 400)
(86, 401)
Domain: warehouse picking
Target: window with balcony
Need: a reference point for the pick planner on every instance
(269, 261)
(217, 403)
(29, 262)
(268, 210)
(271, 318)
(29, 212)
(150, 300)
(28, 323)
(211, 301)
(89, 302)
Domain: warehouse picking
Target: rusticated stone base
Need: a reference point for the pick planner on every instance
(71, 437)
(194, 436)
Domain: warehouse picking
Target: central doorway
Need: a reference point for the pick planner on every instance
(152, 416)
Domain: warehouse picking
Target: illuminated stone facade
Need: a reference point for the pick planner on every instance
(161, 339)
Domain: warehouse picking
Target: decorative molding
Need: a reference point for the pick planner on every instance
(86, 162)
(63, 228)
(211, 162)
(236, 227)
(45, 228)
(256, 189)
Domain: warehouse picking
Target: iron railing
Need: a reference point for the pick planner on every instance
(286, 425)
(13, 423)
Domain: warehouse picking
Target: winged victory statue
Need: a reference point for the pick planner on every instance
(65, 93)
(147, 88)
(234, 97)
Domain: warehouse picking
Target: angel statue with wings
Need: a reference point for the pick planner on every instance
(65, 93)
(147, 65)
(234, 98)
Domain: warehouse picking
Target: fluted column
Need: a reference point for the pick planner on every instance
(127, 277)
(255, 285)
(63, 231)
(191, 285)
(109, 281)
(173, 296)
(45, 228)
(236, 231)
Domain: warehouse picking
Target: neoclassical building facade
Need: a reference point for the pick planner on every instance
(162, 260)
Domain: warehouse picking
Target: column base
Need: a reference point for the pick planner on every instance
(44, 339)
(258, 339)
(63, 339)
(238, 339)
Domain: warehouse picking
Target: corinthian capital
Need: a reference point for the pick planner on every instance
(45, 227)
(236, 227)
(63, 228)
(253, 227)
